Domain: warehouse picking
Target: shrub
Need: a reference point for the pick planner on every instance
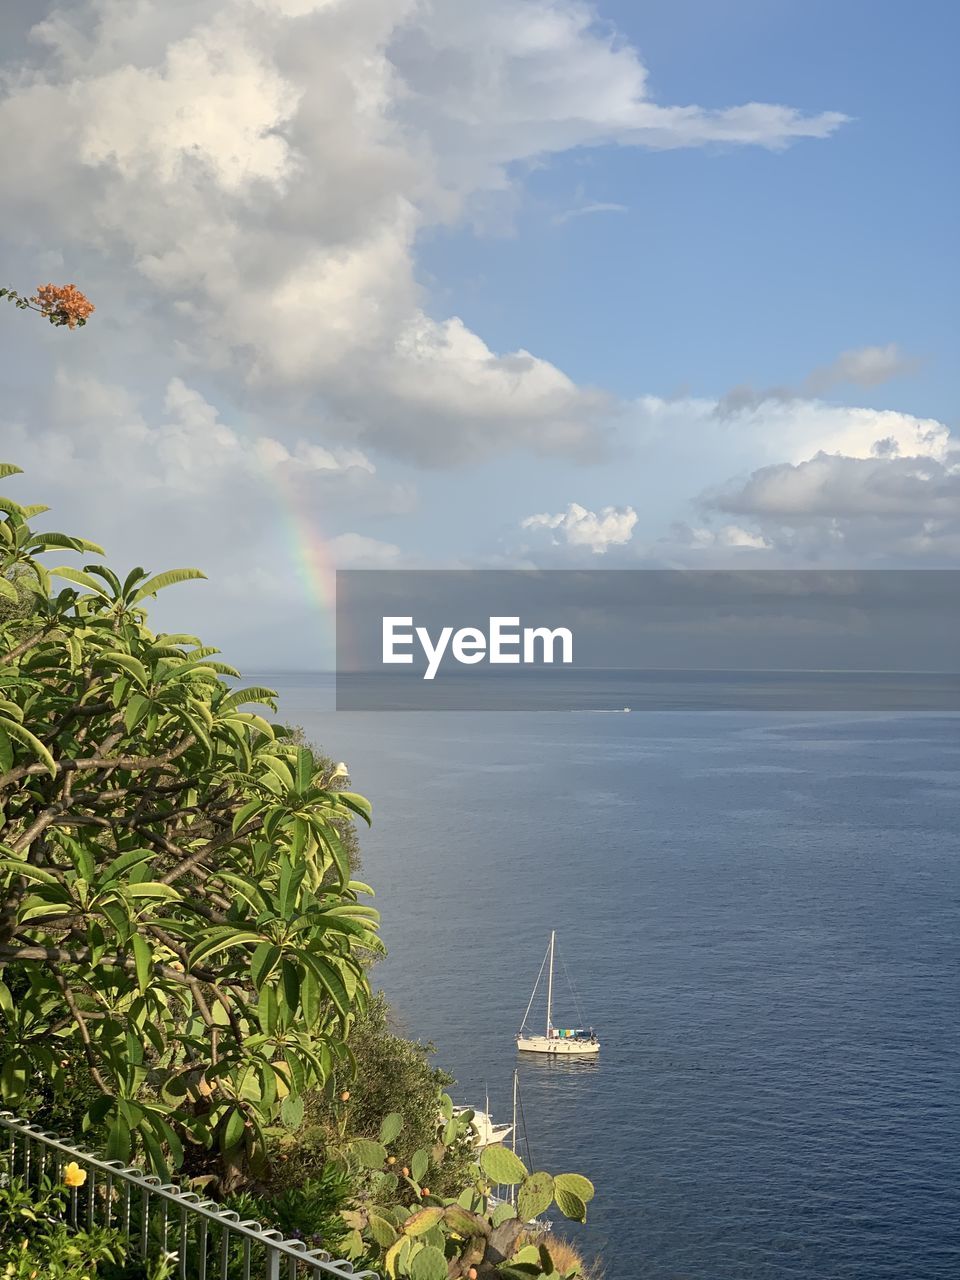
(35, 1241)
(178, 910)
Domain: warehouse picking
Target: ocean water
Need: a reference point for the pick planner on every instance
(759, 912)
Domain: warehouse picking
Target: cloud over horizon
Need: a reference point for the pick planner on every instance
(245, 187)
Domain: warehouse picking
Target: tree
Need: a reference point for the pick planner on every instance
(178, 909)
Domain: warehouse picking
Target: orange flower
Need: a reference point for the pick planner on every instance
(73, 1175)
(64, 304)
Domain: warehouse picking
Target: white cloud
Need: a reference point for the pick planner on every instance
(99, 434)
(860, 366)
(578, 527)
(898, 501)
(835, 486)
(166, 481)
(776, 430)
(253, 177)
(356, 551)
(863, 367)
(728, 535)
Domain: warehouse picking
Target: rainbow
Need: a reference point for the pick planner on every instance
(310, 557)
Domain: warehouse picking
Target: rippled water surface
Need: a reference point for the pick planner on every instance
(761, 916)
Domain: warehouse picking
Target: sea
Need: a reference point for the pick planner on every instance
(759, 912)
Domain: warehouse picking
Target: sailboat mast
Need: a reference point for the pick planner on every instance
(553, 936)
(513, 1136)
(513, 1140)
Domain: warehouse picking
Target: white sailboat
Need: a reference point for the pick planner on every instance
(558, 1041)
(486, 1132)
(508, 1195)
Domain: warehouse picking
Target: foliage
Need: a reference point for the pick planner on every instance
(35, 1241)
(391, 1076)
(310, 1211)
(339, 777)
(62, 304)
(177, 908)
(426, 1236)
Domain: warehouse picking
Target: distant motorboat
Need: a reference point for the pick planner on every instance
(558, 1041)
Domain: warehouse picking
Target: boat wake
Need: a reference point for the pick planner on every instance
(599, 711)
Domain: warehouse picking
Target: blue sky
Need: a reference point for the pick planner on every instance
(386, 283)
(734, 264)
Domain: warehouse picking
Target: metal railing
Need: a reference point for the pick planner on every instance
(199, 1239)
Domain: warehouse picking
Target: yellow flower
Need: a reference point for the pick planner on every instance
(73, 1175)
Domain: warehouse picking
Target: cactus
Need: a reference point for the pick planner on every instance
(462, 1238)
(391, 1127)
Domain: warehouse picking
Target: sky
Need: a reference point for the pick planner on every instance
(532, 283)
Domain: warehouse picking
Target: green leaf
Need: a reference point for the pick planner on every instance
(502, 1167)
(529, 1253)
(126, 862)
(254, 722)
(257, 694)
(263, 963)
(390, 1127)
(233, 1131)
(133, 666)
(24, 736)
(290, 985)
(358, 804)
(268, 1010)
(291, 1113)
(424, 1220)
(381, 1231)
(221, 940)
(245, 813)
(419, 1163)
(330, 979)
(137, 708)
(65, 542)
(81, 579)
(143, 961)
(118, 1140)
(9, 591)
(429, 1264)
(576, 1184)
(535, 1196)
(502, 1213)
(465, 1223)
(28, 872)
(13, 1078)
(372, 1155)
(152, 889)
(570, 1205)
(168, 579)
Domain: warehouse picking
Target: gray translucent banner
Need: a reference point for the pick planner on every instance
(648, 640)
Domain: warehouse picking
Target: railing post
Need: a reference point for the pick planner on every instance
(273, 1262)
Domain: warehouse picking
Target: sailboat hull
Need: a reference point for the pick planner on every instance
(557, 1047)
